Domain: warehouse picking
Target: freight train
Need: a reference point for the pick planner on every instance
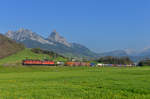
(52, 63)
(69, 63)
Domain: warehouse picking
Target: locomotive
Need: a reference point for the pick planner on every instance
(38, 62)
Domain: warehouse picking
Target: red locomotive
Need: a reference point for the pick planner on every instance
(38, 62)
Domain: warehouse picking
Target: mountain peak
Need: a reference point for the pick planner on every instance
(54, 30)
(20, 34)
(25, 30)
(25, 35)
(54, 36)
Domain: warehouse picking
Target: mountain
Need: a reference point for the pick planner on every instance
(24, 34)
(55, 37)
(145, 52)
(8, 47)
(54, 42)
(131, 52)
(134, 55)
(119, 53)
(137, 56)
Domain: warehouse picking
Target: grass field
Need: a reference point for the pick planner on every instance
(74, 83)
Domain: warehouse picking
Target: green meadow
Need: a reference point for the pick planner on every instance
(74, 82)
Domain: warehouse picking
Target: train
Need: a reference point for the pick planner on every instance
(52, 63)
(70, 63)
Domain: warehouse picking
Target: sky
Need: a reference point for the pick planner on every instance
(101, 25)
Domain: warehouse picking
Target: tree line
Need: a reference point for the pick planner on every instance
(50, 53)
(114, 60)
(145, 62)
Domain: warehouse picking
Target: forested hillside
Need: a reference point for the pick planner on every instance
(8, 46)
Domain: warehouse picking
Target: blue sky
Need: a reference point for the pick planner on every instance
(101, 25)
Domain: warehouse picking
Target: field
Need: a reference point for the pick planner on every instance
(74, 83)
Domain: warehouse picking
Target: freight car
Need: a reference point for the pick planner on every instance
(77, 64)
(38, 62)
(60, 63)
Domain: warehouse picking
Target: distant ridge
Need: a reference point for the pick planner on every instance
(119, 53)
(8, 47)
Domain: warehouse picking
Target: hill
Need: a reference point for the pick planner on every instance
(30, 54)
(54, 42)
(8, 47)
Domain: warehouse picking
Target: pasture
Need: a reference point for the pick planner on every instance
(74, 82)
